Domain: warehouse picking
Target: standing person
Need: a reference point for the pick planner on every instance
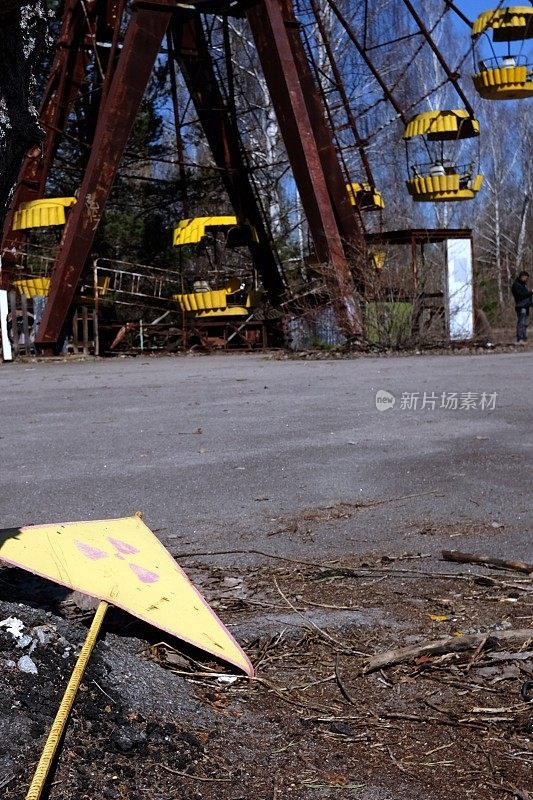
(523, 302)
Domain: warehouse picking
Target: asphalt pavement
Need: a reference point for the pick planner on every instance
(243, 452)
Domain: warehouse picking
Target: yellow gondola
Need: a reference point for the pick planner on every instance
(509, 76)
(192, 231)
(40, 286)
(442, 179)
(231, 300)
(365, 197)
(42, 213)
(214, 303)
(33, 287)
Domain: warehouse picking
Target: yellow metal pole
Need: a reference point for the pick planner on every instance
(61, 719)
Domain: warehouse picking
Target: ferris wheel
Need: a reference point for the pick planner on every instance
(344, 88)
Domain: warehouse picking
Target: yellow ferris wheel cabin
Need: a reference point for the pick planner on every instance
(442, 126)
(442, 178)
(43, 213)
(192, 231)
(365, 196)
(508, 76)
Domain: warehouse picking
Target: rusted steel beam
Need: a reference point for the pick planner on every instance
(63, 85)
(18, 58)
(341, 89)
(192, 52)
(106, 29)
(348, 222)
(113, 20)
(145, 32)
(282, 70)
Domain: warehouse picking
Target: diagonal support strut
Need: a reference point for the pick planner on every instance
(307, 151)
(143, 39)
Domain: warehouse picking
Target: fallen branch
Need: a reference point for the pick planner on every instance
(452, 723)
(250, 552)
(497, 563)
(523, 585)
(440, 647)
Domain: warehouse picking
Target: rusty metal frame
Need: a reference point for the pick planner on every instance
(347, 220)
(309, 148)
(341, 89)
(192, 52)
(142, 42)
(334, 226)
(98, 20)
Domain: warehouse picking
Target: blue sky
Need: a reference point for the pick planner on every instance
(472, 8)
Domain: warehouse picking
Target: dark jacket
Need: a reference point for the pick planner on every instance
(521, 294)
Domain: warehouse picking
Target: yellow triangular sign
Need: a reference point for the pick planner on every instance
(122, 562)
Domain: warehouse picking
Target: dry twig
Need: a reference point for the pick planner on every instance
(441, 646)
(344, 691)
(310, 622)
(487, 561)
(195, 777)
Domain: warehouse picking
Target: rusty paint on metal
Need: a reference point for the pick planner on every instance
(141, 46)
(93, 212)
(333, 224)
(270, 27)
(347, 220)
(190, 45)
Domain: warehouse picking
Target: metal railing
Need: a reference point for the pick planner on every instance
(499, 62)
(128, 282)
(429, 169)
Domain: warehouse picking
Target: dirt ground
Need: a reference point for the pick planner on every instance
(156, 722)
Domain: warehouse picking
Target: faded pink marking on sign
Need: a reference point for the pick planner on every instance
(91, 552)
(123, 547)
(144, 575)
